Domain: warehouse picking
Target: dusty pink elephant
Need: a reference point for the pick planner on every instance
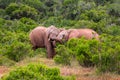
(65, 35)
(39, 38)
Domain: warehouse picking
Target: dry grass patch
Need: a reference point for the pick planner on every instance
(80, 72)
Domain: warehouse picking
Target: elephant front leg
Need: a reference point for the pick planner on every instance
(50, 51)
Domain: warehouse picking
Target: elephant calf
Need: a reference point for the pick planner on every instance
(65, 35)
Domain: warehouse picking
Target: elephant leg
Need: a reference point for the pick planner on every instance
(50, 50)
(34, 48)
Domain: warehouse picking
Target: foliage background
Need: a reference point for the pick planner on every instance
(19, 17)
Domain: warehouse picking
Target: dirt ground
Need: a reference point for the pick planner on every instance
(3, 70)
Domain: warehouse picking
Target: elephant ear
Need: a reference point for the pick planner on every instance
(52, 32)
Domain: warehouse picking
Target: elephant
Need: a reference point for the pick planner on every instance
(39, 39)
(52, 33)
(65, 35)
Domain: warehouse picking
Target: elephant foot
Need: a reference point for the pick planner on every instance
(50, 56)
(34, 48)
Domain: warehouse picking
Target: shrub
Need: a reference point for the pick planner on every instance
(95, 15)
(113, 30)
(17, 11)
(17, 51)
(83, 51)
(102, 2)
(108, 58)
(86, 24)
(12, 7)
(67, 23)
(2, 13)
(2, 21)
(59, 22)
(8, 37)
(5, 3)
(27, 21)
(37, 4)
(113, 9)
(15, 46)
(103, 54)
(63, 55)
(35, 72)
(24, 24)
(52, 21)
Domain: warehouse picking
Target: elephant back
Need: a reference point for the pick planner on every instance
(88, 33)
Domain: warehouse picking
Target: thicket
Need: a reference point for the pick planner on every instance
(36, 72)
(19, 17)
(103, 54)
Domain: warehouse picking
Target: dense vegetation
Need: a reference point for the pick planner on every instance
(36, 72)
(19, 17)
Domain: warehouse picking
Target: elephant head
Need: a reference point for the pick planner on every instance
(52, 32)
(63, 36)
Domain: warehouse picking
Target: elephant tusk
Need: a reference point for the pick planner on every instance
(48, 39)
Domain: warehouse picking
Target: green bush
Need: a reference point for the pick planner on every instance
(36, 72)
(2, 13)
(113, 30)
(63, 55)
(102, 2)
(15, 46)
(2, 21)
(52, 21)
(17, 51)
(86, 24)
(59, 22)
(37, 4)
(17, 11)
(94, 15)
(67, 23)
(103, 26)
(12, 7)
(8, 37)
(22, 25)
(108, 54)
(103, 54)
(82, 51)
(114, 10)
(72, 9)
(5, 3)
